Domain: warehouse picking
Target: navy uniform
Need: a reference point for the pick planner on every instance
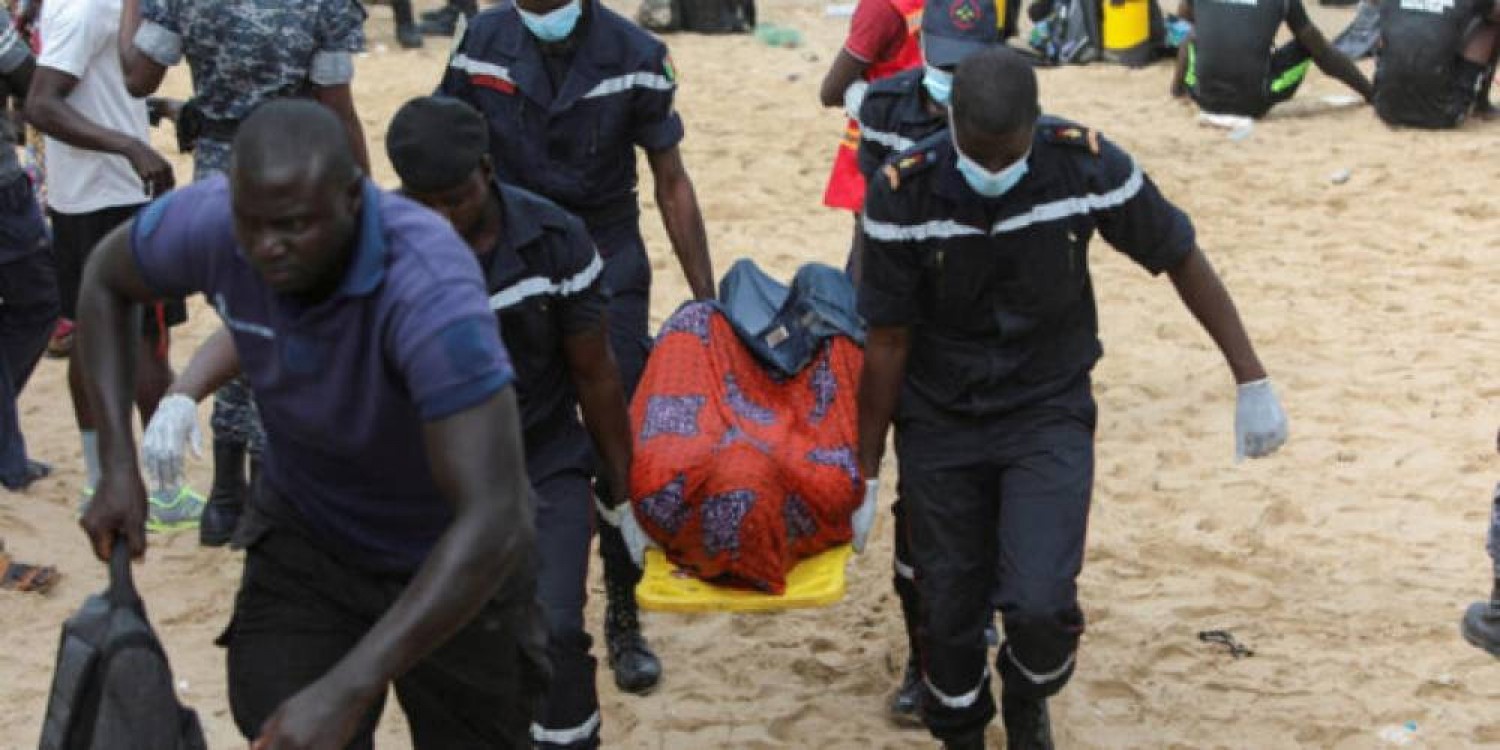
(995, 423)
(896, 113)
(544, 278)
(1421, 79)
(565, 123)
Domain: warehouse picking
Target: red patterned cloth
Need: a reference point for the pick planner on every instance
(739, 472)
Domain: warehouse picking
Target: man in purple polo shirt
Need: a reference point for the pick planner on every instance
(392, 538)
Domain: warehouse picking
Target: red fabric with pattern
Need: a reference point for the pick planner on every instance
(738, 473)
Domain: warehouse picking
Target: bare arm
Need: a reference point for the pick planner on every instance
(1184, 54)
(143, 75)
(684, 221)
(108, 327)
(1204, 295)
(879, 389)
(476, 458)
(215, 363)
(340, 99)
(845, 70)
(47, 108)
(601, 398)
(1333, 62)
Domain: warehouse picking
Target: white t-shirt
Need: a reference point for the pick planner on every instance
(81, 38)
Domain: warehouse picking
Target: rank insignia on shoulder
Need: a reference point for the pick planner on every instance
(1073, 135)
(905, 166)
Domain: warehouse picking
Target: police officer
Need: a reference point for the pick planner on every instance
(896, 113)
(544, 280)
(241, 55)
(1227, 63)
(983, 331)
(1433, 59)
(570, 90)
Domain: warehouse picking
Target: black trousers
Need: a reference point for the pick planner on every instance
(999, 502)
(569, 714)
(299, 611)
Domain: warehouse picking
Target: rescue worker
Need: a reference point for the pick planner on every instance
(570, 89)
(1435, 61)
(896, 113)
(1227, 64)
(983, 328)
(544, 280)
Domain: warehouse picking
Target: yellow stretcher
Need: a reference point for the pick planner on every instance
(817, 581)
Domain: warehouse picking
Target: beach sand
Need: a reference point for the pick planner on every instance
(1344, 561)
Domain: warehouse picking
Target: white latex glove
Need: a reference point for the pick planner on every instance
(1260, 426)
(853, 97)
(622, 517)
(173, 428)
(864, 516)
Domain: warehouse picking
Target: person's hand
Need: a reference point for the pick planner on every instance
(864, 516)
(854, 96)
(154, 171)
(622, 517)
(161, 108)
(118, 509)
(324, 716)
(1260, 425)
(173, 428)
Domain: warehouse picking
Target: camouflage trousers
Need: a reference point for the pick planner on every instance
(235, 420)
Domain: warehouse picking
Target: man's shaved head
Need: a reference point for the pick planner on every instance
(293, 133)
(994, 92)
(297, 194)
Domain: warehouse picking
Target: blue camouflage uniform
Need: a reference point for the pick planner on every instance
(242, 54)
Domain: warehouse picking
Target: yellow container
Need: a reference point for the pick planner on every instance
(1127, 29)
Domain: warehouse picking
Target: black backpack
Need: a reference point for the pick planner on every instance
(112, 688)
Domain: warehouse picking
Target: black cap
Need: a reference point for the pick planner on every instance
(436, 142)
(954, 29)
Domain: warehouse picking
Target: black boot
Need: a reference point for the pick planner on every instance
(906, 704)
(1027, 725)
(227, 500)
(636, 668)
(444, 20)
(406, 29)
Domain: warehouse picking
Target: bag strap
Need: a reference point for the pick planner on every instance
(121, 591)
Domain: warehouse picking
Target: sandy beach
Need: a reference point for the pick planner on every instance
(1344, 562)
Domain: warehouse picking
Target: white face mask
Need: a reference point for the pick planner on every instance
(554, 26)
(990, 184)
(939, 84)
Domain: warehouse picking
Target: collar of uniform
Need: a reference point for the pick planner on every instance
(367, 269)
(521, 227)
(598, 52)
(914, 107)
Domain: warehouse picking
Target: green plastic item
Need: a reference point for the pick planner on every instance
(778, 36)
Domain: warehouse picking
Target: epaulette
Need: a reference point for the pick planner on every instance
(1076, 136)
(910, 163)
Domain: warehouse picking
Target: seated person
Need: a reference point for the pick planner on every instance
(740, 469)
(1435, 61)
(1229, 67)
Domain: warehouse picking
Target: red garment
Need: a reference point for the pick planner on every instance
(739, 473)
(884, 34)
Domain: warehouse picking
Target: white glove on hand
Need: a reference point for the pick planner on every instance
(622, 517)
(854, 96)
(173, 427)
(1260, 426)
(864, 516)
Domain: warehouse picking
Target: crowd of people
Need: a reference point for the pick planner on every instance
(417, 488)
